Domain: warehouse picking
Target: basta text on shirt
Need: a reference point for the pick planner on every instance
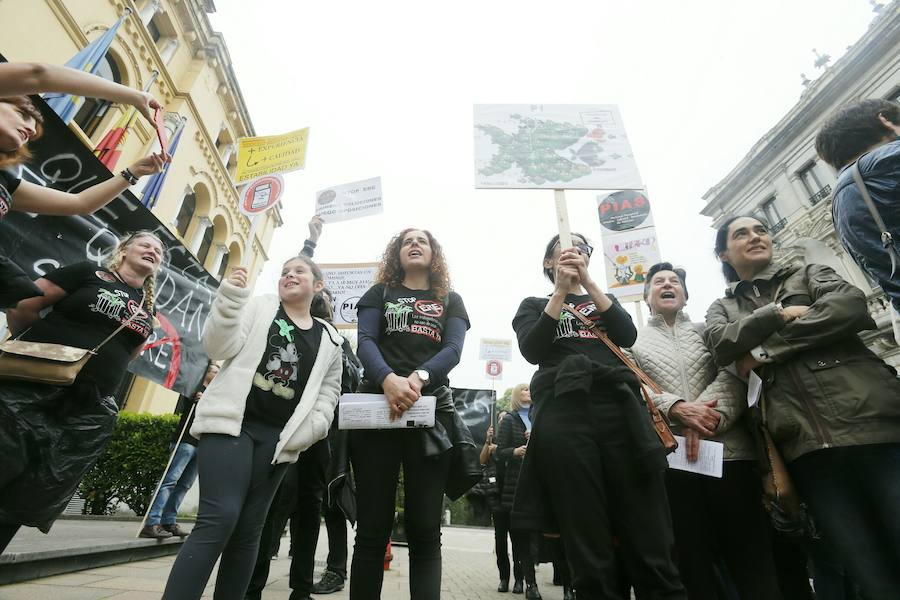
(570, 326)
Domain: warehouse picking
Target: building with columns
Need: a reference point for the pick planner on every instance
(782, 178)
(169, 48)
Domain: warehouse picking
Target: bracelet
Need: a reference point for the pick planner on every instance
(129, 176)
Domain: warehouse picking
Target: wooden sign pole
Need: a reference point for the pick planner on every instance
(562, 220)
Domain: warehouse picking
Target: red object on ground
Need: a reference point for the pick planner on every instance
(388, 556)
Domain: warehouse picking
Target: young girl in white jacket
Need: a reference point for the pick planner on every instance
(273, 399)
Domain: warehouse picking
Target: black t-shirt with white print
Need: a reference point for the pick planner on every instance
(412, 324)
(9, 183)
(96, 303)
(283, 370)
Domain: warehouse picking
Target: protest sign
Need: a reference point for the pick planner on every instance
(553, 146)
(495, 349)
(347, 283)
(350, 201)
(261, 194)
(625, 210)
(627, 257)
(476, 409)
(173, 355)
(267, 155)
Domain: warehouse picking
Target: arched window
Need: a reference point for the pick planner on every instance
(205, 245)
(186, 213)
(93, 110)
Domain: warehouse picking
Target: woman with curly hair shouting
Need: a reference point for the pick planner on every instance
(411, 332)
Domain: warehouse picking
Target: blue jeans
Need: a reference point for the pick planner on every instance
(853, 494)
(177, 481)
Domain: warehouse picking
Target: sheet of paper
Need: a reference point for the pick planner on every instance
(754, 389)
(370, 411)
(709, 462)
(350, 201)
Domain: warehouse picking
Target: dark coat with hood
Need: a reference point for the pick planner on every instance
(510, 436)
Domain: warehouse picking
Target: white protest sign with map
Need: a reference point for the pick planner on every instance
(350, 200)
(347, 283)
(553, 146)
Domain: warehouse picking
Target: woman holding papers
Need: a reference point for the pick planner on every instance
(828, 404)
(411, 332)
(595, 468)
(715, 519)
(273, 399)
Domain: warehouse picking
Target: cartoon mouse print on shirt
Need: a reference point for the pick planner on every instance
(282, 366)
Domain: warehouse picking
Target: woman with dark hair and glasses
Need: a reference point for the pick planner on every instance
(716, 520)
(51, 435)
(595, 468)
(828, 402)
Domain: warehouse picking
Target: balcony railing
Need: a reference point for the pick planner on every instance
(777, 227)
(820, 195)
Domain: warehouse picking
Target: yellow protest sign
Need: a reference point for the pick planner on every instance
(267, 155)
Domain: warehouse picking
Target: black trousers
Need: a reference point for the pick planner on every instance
(502, 534)
(336, 526)
(237, 485)
(300, 498)
(584, 457)
(376, 457)
(722, 519)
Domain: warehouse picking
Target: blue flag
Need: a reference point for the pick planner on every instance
(87, 60)
(151, 193)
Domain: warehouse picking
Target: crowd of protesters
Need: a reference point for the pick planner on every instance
(808, 416)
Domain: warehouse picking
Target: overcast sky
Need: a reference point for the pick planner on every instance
(387, 89)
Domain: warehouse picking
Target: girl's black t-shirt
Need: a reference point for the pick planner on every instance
(97, 302)
(283, 370)
(412, 324)
(9, 183)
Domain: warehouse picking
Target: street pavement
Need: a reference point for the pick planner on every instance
(470, 572)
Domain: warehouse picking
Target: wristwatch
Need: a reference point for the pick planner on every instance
(423, 375)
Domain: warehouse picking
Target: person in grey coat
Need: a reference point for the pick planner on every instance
(716, 521)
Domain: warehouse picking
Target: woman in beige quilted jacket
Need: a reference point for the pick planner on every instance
(716, 521)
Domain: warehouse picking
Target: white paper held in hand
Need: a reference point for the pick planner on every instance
(709, 462)
(754, 389)
(371, 411)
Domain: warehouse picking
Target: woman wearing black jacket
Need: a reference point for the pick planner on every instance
(511, 442)
(594, 470)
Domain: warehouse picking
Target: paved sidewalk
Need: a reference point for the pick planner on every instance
(469, 573)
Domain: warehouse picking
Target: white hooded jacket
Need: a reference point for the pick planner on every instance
(237, 332)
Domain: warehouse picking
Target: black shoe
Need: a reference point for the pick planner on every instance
(328, 584)
(504, 585)
(568, 593)
(174, 529)
(531, 592)
(154, 531)
(518, 587)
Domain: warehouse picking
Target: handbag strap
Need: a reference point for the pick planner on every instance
(123, 325)
(603, 337)
(887, 240)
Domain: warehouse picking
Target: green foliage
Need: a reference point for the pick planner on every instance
(132, 464)
(503, 401)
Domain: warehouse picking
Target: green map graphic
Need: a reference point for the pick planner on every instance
(543, 149)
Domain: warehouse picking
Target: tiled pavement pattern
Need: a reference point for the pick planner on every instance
(469, 573)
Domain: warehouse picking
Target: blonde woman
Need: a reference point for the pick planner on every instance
(512, 439)
(50, 436)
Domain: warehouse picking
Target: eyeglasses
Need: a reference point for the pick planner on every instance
(585, 249)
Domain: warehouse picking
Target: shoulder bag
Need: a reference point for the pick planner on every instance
(659, 423)
(44, 362)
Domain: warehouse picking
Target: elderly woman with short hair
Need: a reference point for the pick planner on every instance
(715, 520)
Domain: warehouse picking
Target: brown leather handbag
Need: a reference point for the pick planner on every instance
(43, 362)
(659, 422)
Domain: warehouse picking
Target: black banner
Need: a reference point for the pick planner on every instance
(173, 356)
(476, 407)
